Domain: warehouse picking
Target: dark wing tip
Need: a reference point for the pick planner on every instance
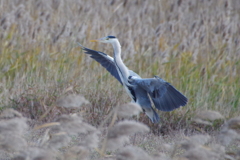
(171, 100)
(80, 45)
(175, 98)
(102, 58)
(84, 48)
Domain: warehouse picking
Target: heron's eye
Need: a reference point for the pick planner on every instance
(107, 39)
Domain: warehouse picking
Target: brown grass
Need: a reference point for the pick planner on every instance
(192, 44)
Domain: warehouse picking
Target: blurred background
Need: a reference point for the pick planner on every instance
(193, 44)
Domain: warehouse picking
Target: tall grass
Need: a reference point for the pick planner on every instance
(192, 44)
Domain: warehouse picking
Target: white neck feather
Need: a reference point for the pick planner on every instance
(122, 69)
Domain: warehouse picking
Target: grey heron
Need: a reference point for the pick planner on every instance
(164, 96)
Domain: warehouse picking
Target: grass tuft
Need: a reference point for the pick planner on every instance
(194, 45)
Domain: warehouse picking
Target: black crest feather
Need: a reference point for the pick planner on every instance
(111, 37)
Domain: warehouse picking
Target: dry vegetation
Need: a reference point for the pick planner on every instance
(194, 44)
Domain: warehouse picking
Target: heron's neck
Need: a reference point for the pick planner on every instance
(117, 48)
(122, 69)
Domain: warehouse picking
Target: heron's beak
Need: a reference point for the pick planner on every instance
(94, 40)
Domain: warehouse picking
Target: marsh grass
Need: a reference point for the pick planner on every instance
(192, 44)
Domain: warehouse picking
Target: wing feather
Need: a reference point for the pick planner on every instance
(105, 60)
(164, 96)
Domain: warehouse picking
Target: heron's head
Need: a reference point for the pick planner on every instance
(108, 39)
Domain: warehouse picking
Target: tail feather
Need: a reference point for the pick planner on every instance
(152, 114)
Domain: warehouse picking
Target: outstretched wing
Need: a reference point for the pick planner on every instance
(105, 60)
(164, 96)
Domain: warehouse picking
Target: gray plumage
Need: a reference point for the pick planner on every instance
(164, 96)
(105, 60)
